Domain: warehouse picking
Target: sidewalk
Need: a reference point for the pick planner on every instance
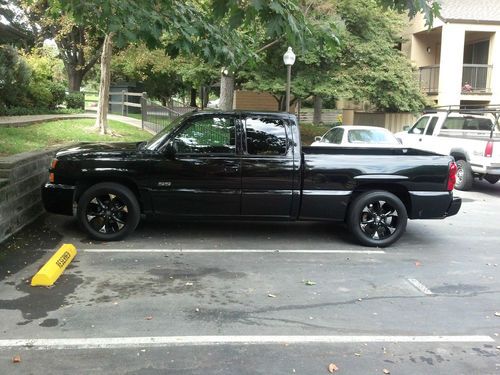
(18, 121)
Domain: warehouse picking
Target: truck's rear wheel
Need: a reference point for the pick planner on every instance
(465, 177)
(108, 211)
(377, 218)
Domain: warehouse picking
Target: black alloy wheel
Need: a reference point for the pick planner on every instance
(377, 218)
(108, 211)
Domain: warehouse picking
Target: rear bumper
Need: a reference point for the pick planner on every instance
(58, 199)
(433, 204)
(455, 205)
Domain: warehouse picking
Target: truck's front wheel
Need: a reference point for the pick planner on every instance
(377, 218)
(108, 211)
(465, 178)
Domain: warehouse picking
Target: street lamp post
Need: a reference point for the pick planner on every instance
(288, 59)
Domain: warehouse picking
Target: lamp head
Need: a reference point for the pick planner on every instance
(289, 57)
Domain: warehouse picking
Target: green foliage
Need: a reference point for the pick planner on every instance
(15, 75)
(23, 111)
(75, 100)
(58, 92)
(370, 67)
(365, 65)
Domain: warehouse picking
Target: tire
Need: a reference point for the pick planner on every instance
(492, 179)
(108, 211)
(465, 177)
(377, 218)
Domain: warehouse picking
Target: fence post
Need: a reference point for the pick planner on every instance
(143, 108)
(123, 102)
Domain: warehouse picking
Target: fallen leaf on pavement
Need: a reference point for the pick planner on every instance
(16, 359)
(418, 264)
(271, 295)
(497, 313)
(357, 354)
(309, 282)
(189, 283)
(385, 371)
(332, 368)
(148, 318)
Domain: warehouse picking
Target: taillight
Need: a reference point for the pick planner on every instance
(53, 165)
(488, 150)
(452, 176)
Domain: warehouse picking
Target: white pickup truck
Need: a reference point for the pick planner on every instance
(472, 137)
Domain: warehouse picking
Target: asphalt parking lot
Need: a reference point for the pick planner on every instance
(233, 298)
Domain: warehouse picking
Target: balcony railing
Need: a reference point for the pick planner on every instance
(429, 79)
(476, 79)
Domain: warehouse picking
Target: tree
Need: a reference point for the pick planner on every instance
(365, 66)
(78, 45)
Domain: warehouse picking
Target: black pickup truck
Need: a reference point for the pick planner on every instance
(248, 165)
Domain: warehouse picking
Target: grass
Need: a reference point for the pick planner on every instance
(40, 136)
(309, 131)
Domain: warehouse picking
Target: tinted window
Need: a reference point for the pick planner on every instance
(266, 136)
(334, 136)
(432, 125)
(206, 136)
(419, 127)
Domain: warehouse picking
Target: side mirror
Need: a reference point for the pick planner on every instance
(406, 128)
(317, 138)
(170, 151)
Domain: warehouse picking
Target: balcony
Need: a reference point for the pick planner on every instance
(476, 79)
(429, 79)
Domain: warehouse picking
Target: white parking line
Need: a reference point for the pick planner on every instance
(421, 287)
(159, 341)
(233, 251)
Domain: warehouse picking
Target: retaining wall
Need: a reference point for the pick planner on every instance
(21, 177)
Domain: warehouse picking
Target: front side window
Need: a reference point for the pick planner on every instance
(419, 127)
(335, 136)
(208, 135)
(266, 136)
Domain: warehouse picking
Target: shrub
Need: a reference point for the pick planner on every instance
(14, 77)
(58, 92)
(39, 94)
(75, 100)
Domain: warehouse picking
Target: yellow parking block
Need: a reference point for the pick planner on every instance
(55, 266)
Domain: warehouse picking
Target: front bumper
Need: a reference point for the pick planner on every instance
(58, 199)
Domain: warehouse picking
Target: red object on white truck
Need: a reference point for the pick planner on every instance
(470, 135)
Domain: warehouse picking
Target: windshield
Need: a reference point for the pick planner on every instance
(159, 138)
(371, 136)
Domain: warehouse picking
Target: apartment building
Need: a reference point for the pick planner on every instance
(458, 59)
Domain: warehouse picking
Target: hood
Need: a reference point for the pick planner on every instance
(98, 149)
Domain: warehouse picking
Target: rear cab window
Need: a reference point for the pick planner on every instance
(266, 136)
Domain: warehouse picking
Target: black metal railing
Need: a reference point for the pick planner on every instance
(429, 79)
(156, 117)
(476, 79)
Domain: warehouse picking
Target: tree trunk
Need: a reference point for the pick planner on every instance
(318, 106)
(75, 78)
(193, 98)
(102, 107)
(226, 90)
(206, 91)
